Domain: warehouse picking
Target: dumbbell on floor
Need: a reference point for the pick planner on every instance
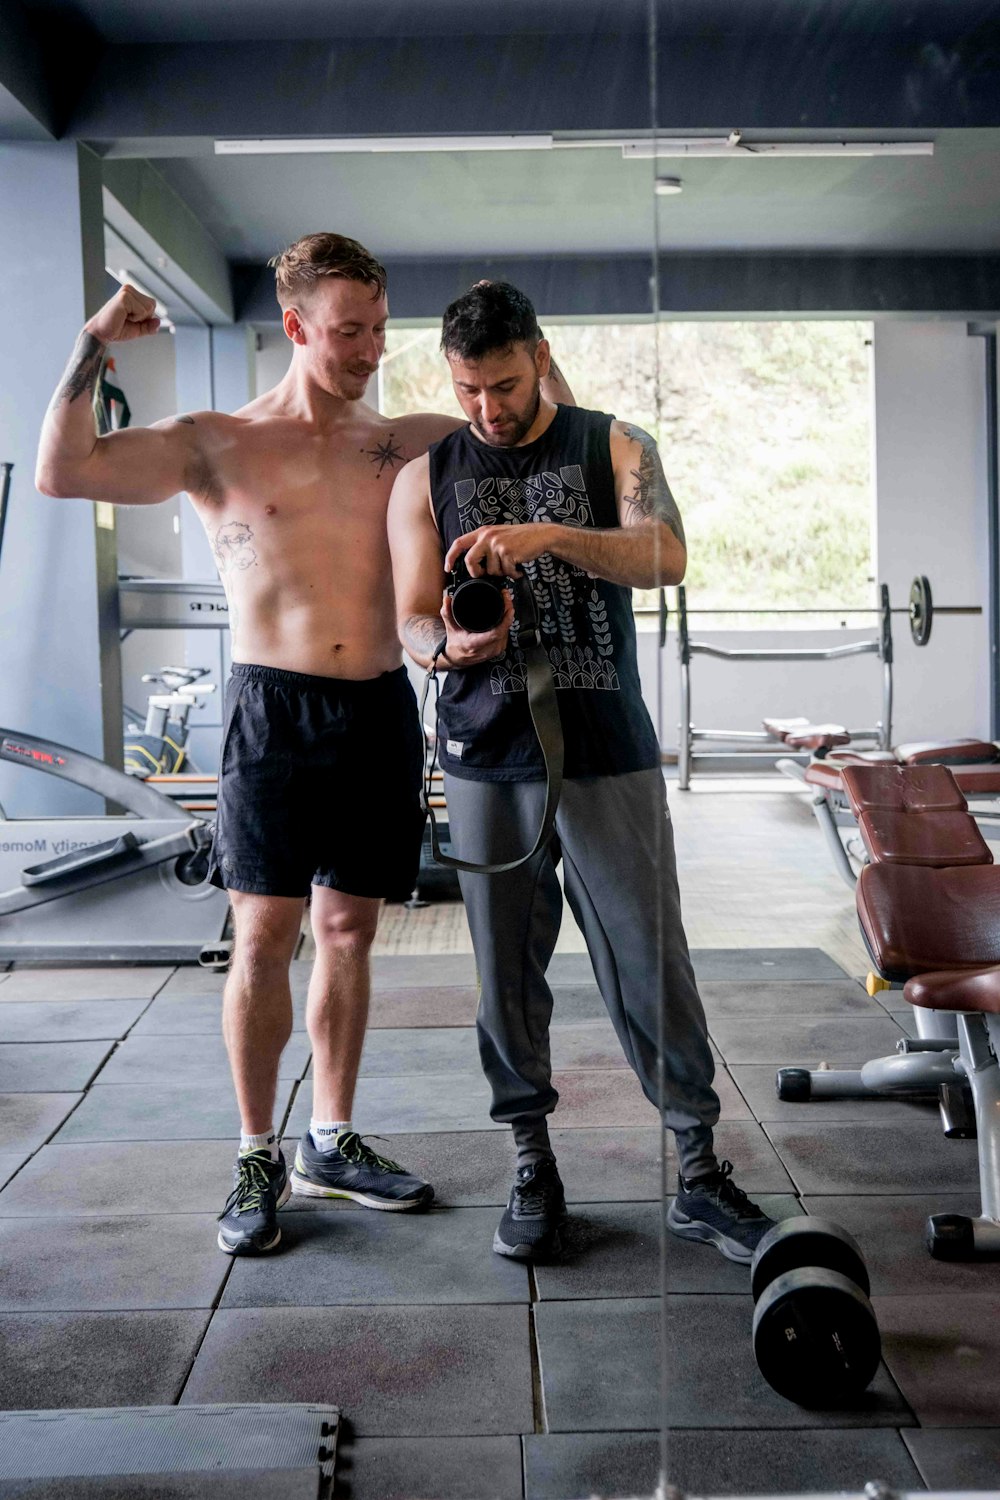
(815, 1335)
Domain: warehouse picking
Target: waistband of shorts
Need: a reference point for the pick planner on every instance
(305, 682)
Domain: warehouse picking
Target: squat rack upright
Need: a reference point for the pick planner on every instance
(879, 645)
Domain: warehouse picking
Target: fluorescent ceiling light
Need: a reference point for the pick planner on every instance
(353, 144)
(733, 147)
(666, 186)
(729, 147)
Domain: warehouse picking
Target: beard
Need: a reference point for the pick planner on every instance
(518, 423)
(347, 384)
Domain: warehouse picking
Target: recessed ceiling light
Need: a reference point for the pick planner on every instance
(667, 186)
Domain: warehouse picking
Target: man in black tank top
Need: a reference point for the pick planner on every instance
(578, 503)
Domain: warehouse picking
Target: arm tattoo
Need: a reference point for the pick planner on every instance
(385, 453)
(231, 545)
(421, 633)
(652, 498)
(83, 370)
(185, 419)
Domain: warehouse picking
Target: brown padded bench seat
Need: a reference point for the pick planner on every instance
(799, 734)
(954, 989)
(914, 790)
(948, 753)
(973, 780)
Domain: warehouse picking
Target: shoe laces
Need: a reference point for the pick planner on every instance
(532, 1195)
(354, 1149)
(724, 1188)
(252, 1182)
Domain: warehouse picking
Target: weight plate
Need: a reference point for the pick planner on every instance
(815, 1338)
(921, 610)
(805, 1241)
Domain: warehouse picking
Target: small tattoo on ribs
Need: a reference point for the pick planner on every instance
(231, 545)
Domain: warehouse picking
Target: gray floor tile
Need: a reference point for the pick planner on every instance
(957, 1460)
(393, 971)
(880, 1157)
(586, 1045)
(189, 1060)
(133, 1177)
(234, 1484)
(712, 964)
(610, 1165)
(27, 1120)
(577, 1002)
(890, 1232)
(83, 1264)
(10, 1161)
(49, 1067)
(615, 1249)
(170, 1112)
(572, 969)
(819, 997)
(758, 1168)
(806, 1041)
(466, 1168)
(564, 1466)
(423, 1005)
(53, 1360)
(120, 982)
(600, 1370)
(68, 1020)
(756, 1084)
(197, 1015)
(193, 982)
(363, 1258)
(430, 1049)
(393, 1371)
(421, 1102)
(944, 1353)
(448, 1468)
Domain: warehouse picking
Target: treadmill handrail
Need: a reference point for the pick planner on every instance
(129, 792)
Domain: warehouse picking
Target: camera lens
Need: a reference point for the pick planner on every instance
(478, 605)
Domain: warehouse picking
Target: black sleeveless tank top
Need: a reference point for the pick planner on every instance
(588, 627)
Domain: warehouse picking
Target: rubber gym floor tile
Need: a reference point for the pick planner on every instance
(586, 1045)
(968, 1459)
(600, 1370)
(420, 1102)
(10, 1161)
(69, 1020)
(148, 1177)
(197, 1015)
(27, 1120)
(712, 964)
(393, 971)
(466, 1168)
(234, 1484)
(577, 1002)
(880, 1157)
(890, 1232)
(806, 1041)
(133, 1262)
(170, 1112)
(756, 1084)
(944, 1353)
(817, 997)
(53, 1360)
(560, 1466)
(758, 1168)
(400, 1054)
(614, 1250)
(42, 1067)
(189, 1059)
(120, 982)
(572, 969)
(368, 1258)
(480, 1468)
(393, 1371)
(423, 1005)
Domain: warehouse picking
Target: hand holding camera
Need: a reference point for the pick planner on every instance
(468, 647)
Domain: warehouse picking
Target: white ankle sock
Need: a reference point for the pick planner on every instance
(324, 1133)
(267, 1141)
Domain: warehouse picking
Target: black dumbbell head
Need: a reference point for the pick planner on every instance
(805, 1241)
(816, 1338)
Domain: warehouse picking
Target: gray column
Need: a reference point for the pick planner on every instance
(58, 625)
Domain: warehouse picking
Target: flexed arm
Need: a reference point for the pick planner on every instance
(136, 466)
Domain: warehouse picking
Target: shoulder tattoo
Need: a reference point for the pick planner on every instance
(386, 454)
(651, 497)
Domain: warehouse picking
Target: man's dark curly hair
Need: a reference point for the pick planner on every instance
(491, 316)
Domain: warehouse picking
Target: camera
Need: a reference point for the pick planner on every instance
(476, 603)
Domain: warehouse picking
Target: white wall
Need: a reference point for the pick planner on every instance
(274, 353)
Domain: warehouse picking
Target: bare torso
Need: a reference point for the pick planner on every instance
(296, 516)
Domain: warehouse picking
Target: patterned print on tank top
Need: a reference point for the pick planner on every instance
(571, 606)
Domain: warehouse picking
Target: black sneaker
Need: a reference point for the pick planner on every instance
(713, 1209)
(353, 1170)
(530, 1227)
(248, 1223)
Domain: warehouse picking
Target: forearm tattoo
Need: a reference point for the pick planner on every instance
(231, 545)
(423, 633)
(652, 498)
(83, 370)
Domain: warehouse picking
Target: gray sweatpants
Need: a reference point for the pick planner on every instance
(616, 841)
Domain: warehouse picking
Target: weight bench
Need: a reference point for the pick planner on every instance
(929, 910)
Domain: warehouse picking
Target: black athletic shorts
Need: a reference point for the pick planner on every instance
(319, 784)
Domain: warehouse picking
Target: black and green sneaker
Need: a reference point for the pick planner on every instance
(353, 1170)
(715, 1211)
(248, 1225)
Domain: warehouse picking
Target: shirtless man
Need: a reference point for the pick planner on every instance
(321, 750)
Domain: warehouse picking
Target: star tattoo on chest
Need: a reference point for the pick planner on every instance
(385, 454)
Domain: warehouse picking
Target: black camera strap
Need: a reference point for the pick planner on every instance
(544, 711)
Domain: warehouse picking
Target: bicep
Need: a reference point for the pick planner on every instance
(142, 465)
(417, 569)
(641, 487)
